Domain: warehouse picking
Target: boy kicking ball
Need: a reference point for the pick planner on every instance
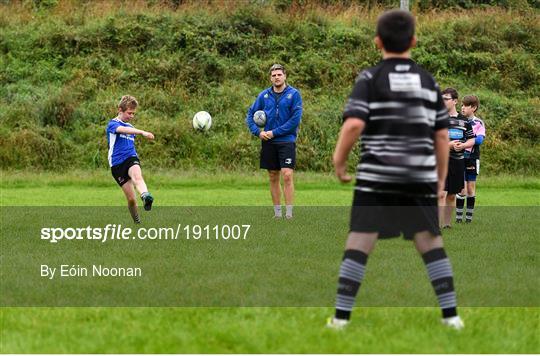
(123, 159)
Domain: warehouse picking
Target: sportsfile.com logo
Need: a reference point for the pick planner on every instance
(120, 233)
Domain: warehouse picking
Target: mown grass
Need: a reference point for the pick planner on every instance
(264, 330)
(274, 263)
(210, 188)
(276, 330)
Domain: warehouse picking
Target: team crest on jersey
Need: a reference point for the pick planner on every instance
(266, 96)
(289, 96)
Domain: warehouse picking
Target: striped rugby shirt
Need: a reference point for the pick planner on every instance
(402, 107)
(479, 129)
(459, 129)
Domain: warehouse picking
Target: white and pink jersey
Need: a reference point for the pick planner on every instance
(479, 129)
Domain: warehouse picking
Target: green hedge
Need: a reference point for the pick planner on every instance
(63, 70)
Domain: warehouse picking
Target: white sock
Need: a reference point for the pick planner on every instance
(289, 211)
(277, 210)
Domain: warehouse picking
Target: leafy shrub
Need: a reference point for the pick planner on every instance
(63, 70)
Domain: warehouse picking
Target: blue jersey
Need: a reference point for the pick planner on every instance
(283, 113)
(121, 146)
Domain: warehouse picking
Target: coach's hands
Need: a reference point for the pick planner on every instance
(266, 135)
(148, 135)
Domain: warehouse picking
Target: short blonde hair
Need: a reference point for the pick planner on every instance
(128, 102)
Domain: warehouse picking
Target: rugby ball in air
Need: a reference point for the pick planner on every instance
(202, 121)
(260, 118)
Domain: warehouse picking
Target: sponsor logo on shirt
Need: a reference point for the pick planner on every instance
(127, 137)
(455, 134)
(404, 81)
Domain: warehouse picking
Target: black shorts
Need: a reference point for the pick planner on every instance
(455, 180)
(120, 171)
(275, 156)
(393, 214)
(472, 169)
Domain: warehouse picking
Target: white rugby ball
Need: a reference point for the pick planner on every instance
(202, 121)
(260, 118)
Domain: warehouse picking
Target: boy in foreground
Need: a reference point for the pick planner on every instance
(397, 108)
(123, 159)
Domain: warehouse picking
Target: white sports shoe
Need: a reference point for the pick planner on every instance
(454, 322)
(336, 324)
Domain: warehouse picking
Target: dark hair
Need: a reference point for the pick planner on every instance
(277, 67)
(471, 100)
(395, 28)
(453, 92)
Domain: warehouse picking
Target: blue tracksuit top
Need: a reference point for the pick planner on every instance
(282, 117)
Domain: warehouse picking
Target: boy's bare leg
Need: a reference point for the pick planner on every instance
(361, 241)
(131, 197)
(450, 205)
(425, 242)
(135, 173)
(442, 209)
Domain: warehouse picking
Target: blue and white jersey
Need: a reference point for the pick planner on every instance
(121, 146)
(283, 113)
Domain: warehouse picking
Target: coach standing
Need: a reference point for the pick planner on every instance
(282, 105)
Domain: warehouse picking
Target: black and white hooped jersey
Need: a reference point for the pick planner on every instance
(402, 107)
(459, 129)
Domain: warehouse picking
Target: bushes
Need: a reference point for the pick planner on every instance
(43, 148)
(61, 76)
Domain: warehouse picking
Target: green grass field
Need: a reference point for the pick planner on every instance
(495, 328)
